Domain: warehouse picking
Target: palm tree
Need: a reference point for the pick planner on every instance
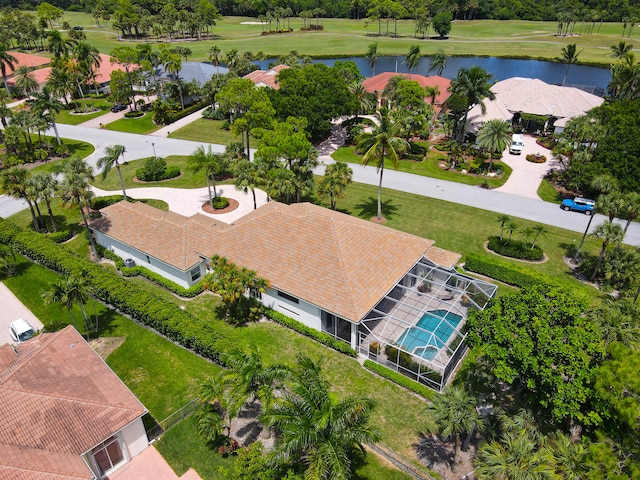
(6, 60)
(61, 83)
(57, 45)
(372, 57)
(247, 176)
(46, 184)
(215, 55)
(69, 291)
(620, 50)
(494, 135)
(569, 56)
(611, 204)
(618, 321)
(455, 414)
(75, 189)
(315, 427)
(380, 145)
(438, 62)
(503, 220)
(514, 457)
(24, 80)
(538, 231)
(610, 233)
(432, 93)
(105, 163)
(47, 106)
(212, 163)
(569, 457)
(89, 60)
(365, 100)
(336, 178)
(211, 419)
(15, 183)
(474, 86)
(412, 59)
(173, 65)
(630, 208)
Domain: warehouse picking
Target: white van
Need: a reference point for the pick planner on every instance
(516, 144)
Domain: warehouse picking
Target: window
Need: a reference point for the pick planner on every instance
(148, 259)
(195, 273)
(291, 298)
(108, 454)
(255, 293)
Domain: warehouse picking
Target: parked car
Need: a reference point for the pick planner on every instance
(118, 108)
(78, 27)
(21, 330)
(517, 143)
(579, 204)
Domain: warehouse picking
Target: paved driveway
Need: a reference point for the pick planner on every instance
(11, 310)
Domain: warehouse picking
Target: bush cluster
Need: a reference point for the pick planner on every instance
(320, 337)
(515, 249)
(211, 114)
(533, 158)
(219, 203)
(509, 274)
(174, 117)
(155, 169)
(99, 203)
(134, 114)
(60, 236)
(398, 378)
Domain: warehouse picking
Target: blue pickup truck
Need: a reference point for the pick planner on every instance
(579, 204)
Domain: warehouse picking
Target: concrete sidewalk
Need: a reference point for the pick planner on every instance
(165, 131)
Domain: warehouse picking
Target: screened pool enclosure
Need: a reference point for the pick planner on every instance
(416, 329)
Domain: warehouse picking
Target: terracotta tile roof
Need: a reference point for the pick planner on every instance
(58, 400)
(377, 83)
(266, 78)
(340, 263)
(28, 60)
(106, 67)
(41, 76)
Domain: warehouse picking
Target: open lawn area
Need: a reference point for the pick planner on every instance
(430, 168)
(141, 125)
(72, 118)
(204, 130)
(343, 37)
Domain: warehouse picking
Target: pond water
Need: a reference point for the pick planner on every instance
(593, 79)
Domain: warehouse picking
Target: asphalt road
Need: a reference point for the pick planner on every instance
(139, 146)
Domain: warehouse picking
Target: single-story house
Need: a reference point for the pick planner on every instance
(378, 83)
(350, 278)
(65, 414)
(519, 100)
(266, 78)
(199, 72)
(26, 59)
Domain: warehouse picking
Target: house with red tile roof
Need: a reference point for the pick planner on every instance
(31, 61)
(65, 414)
(378, 83)
(330, 271)
(266, 78)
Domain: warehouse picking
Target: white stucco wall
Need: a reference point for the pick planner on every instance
(167, 271)
(134, 437)
(302, 311)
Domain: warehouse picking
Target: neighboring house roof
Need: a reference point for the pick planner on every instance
(267, 78)
(340, 263)
(378, 83)
(533, 96)
(199, 71)
(26, 59)
(103, 74)
(58, 400)
(41, 76)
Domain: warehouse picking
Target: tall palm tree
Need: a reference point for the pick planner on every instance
(336, 178)
(611, 204)
(46, 105)
(110, 160)
(630, 208)
(372, 57)
(247, 176)
(211, 163)
(620, 50)
(494, 135)
(569, 56)
(365, 100)
(315, 427)
(215, 55)
(6, 60)
(611, 234)
(70, 291)
(454, 412)
(173, 65)
(474, 86)
(15, 183)
(438, 62)
(46, 184)
(89, 60)
(24, 80)
(60, 83)
(75, 189)
(57, 45)
(412, 59)
(382, 144)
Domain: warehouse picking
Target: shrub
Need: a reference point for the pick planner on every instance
(418, 148)
(536, 158)
(60, 236)
(99, 203)
(510, 274)
(403, 358)
(219, 203)
(515, 249)
(226, 125)
(211, 114)
(321, 337)
(134, 114)
(155, 169)
(173, 117)
(398, 378)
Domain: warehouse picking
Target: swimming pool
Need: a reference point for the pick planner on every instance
(430, 334)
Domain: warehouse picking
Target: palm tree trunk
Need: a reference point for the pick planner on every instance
(86, 225)
(55, 129)
(253, 192)
(213, 181)
(248, 150)
(209, 190)
(33, 215)
(597, 267)
(380, 191)
(51, 216)
(124, 193)
(41, 222)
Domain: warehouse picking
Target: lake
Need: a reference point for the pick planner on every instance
(593, 79)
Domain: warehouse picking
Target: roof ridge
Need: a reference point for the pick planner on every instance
(338, 242)
(28, 354)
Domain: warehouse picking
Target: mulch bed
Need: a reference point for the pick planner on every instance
(233, 204)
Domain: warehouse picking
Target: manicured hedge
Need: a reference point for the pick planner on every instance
(219, 203)
(187, 111)
(515, 249)
(400, 379)
(510, 274)
(60, 236)
(321, 337)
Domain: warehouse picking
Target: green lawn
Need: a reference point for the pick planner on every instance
(204, 130)
(343, 37)
(547, 193)
(141, 125)
(67, 116)
(429, 168)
